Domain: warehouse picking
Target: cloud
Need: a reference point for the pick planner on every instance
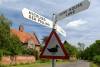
(2, 1)
(78, 30)
(76, 23)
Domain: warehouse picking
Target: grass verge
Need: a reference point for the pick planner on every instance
(37, 64)
(93, 65)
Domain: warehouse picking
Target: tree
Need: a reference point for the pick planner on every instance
(72, 51)
(9, 44)
(15, 47)
(92, 51)
(81, 50)
(4, 31)
(81, 46)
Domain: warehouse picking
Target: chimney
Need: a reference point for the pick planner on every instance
(21, 28)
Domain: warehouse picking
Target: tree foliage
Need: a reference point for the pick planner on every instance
(81, 46)
(92, 51)
(72, 50)
(4, 31)
(9, 44)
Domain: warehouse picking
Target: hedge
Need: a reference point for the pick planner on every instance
(96, 59)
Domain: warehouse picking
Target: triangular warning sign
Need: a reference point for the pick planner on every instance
(53, 48)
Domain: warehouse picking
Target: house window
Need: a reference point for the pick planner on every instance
(30, 44)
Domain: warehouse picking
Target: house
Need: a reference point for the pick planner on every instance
(29, 40)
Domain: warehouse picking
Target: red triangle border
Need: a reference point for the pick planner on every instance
(62, 46)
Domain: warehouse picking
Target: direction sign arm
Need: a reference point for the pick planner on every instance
(73, 10)
(28, 14)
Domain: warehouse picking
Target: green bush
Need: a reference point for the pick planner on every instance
(1, 54)
(1, 65)
(31, 52)
(93, 65)
(96, 59)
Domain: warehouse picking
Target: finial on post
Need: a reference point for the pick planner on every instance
(54, 21)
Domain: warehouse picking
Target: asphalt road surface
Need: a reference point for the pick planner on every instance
(79, 63)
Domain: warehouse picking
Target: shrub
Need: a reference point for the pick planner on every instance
(93, 65)
(1, 65)
(31, 52)
(96, 59)
(1, 54)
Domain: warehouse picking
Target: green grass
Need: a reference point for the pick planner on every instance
(93, 65)
(31, 65)
(37, 64)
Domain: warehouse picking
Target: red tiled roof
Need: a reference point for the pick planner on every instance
(25, 37)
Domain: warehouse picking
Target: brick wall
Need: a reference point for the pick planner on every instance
(17, 59)
(5, 60)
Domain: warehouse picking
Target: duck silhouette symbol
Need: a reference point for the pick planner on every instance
(54, 49)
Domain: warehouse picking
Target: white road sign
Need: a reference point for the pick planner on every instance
(53, 48)
(28, 14)
(73, 10)
(53, 43)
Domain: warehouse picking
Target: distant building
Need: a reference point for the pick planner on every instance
(28, 40)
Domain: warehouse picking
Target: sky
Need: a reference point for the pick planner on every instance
(82, 27)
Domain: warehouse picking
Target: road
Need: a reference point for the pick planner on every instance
(80, 63)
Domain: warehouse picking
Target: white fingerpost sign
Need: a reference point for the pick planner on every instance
(28, 14)
(73, 10)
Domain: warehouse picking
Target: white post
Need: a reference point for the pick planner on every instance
(54, 22)
(53, 63)
(54, 28)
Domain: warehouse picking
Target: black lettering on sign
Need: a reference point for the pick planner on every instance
(37, 16)
(34, 18)
(41, 20)
(70, 9)
(29, 14)
(70, 13)
(63, 13)
(77, 6)
(47, 24)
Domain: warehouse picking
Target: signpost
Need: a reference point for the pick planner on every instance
(28, 14)
(73, 10)
(53, 48)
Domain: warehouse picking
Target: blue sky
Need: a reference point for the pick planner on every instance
(82, 27)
